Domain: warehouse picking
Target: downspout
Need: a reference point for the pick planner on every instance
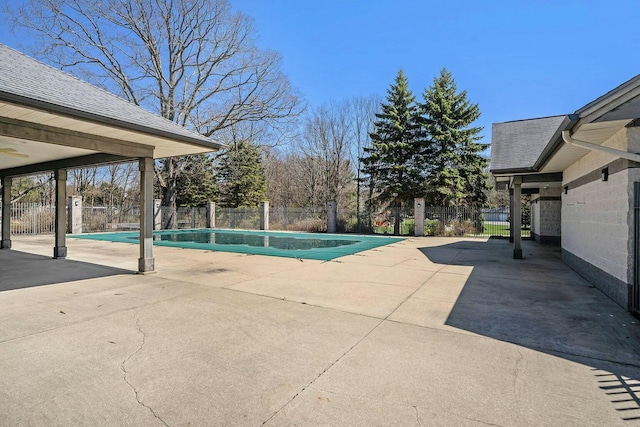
(566, 136)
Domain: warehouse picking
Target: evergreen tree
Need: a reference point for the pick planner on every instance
(456, 169)
(196, 184)
(242, 177)
(393, 162)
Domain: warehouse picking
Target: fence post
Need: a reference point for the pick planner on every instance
(211, 215)
(418, 216)
(264, 215)
(332, 217)
(157, 214)
(74, 215)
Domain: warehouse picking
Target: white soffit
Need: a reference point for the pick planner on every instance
(595, 133)
(598, 132)
(36, 152)
(164, 147)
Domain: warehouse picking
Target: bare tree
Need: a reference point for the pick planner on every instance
(363, 110)
(192, 61)
(326, 151)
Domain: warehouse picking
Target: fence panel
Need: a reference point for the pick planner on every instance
(298, 219)
(192, 217)
(32, 218)
(109, 218)
(382, 222)
(242, 218)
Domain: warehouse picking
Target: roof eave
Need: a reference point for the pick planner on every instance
(593, 110)
(555, 142)
(74, 113)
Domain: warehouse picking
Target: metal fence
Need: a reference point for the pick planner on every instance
(298, 219)
(109, 218)
(448, 222)
(241, 218)
(32, 218)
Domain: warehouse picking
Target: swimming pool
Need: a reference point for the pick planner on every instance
(323, 247)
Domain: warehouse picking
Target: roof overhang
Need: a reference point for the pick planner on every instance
(595, 123)
(44, 135)
(48, 117)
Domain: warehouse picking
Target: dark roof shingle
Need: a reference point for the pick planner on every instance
(28, 81)
(518, 145)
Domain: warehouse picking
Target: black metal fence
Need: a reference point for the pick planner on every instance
(439, 221)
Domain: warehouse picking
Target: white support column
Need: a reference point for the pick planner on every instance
(5, 243)
(211, 215)
(332, 217)
(146, 261)
(418, 216)
(517, 218)
(511, 233)
(264, 215)
(60, 248)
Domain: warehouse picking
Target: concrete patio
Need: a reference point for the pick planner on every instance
(427, 331)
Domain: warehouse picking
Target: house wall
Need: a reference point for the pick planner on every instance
(597, 217)
(546, 215)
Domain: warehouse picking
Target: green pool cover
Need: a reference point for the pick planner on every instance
(323, 247)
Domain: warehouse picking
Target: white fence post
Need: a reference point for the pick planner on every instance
(418, 216)
(211, 215)
(264, 215)
(332, 217)
(74, 214)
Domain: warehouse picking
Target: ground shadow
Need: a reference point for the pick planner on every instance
(24, 270)
(540, 303)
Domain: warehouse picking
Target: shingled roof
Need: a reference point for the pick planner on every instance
(517, 145)
(26, 81)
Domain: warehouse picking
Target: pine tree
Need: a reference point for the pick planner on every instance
(196, 184)
(242, 177)
(392, 164)
(456, 169)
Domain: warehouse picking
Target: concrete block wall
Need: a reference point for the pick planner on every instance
(546, 215)
(597, 220)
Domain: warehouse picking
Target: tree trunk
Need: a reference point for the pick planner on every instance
(170, 196)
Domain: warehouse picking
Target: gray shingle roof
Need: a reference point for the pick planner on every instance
(28, 81)
(516, 146)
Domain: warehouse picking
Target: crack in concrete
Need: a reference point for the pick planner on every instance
(516, 374)
(124, 371)
(348, 351)
(417, 416)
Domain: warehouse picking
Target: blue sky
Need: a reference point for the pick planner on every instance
(517, 59)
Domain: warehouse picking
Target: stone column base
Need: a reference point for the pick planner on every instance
(5, 244)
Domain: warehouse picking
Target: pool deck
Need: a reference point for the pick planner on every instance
(426, 331)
